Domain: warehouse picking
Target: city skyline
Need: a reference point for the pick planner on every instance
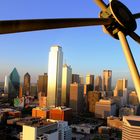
(96, 51)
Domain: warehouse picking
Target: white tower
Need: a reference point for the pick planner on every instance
(6, 84)
(55, 76)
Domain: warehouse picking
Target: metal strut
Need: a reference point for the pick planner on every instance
(131, 62)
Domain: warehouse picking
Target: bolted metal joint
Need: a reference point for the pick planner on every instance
(123, 19)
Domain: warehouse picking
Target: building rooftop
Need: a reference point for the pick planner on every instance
(132, 120)
(134, 123)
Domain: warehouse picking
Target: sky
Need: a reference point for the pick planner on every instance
(87, 49)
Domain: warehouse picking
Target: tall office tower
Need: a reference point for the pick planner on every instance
(87, 88)
(42, 83)
(93, 97)
(6, 84)
(107, 79)
(27, 84)
(34, 89)
(76, 97)
(55, 76)
(121, 90)
(98, 83)
(14, 84)
(66, 81)
(75, 78)
(81, 79)
(131, 128)
(90, 79)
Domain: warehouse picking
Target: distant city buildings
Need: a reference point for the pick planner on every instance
(27, 84)
(42, 84)
(107, 79)
(66, 81)
(55, 76)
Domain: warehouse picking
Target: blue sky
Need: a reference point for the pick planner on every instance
(86, 49)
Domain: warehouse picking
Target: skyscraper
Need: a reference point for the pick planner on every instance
(55, 76)
(76, 97)
(6, 84)
(90, 79)
(98, 83)
(42, 83)
(81, 78)
(27, 83)
(75, 78)
(121, 90)
(14, 84)
(66, 81)
(107, 79)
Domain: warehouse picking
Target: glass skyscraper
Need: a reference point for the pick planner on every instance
(14, 84)
(107, 79)
(54, 76)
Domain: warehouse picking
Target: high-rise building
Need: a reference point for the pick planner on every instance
(81, 79)
(76, 97)
(93, 97)
(6, 84)
(14, 84)
(75, 78)
(131, 128)
(66, 81)
(34, 89)
(90, 79)
(121, 90)
(55, 76)
(98, 83)
(107, 79)
(42, 83)
(27, 83)
(87, 88)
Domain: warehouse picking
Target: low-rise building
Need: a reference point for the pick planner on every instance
(105, 108)
(131, 128)
(61, 113)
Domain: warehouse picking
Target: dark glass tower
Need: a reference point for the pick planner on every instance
(14, 83)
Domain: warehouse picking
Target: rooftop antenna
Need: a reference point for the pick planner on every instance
(117, 21)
